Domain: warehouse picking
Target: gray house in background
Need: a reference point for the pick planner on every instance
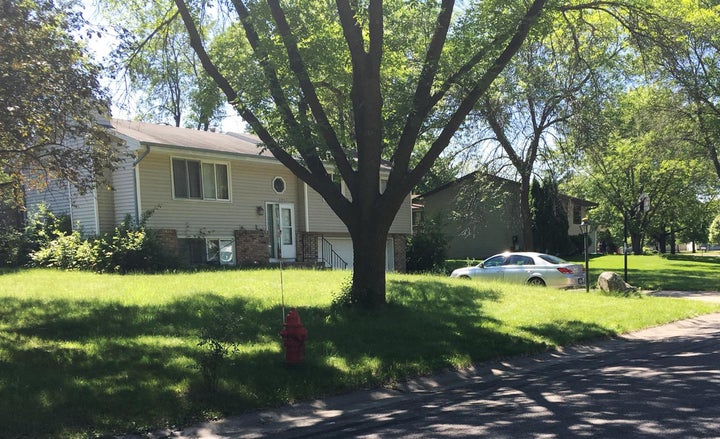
(215, 198)
(498, 227)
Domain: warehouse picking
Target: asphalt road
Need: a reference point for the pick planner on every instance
(659, 382)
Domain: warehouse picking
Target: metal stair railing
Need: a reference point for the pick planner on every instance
(329, 256)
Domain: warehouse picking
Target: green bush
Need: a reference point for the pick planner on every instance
(43, 226)
(453, 264)
(130, 248)
(426, 249)
(11, 245)
(62, 252)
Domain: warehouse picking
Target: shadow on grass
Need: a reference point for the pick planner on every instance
(566, 332)
(693, 258)
(98, 368)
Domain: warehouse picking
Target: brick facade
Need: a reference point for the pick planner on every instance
(308, 251)
(169, 240)
(400, 249)
(251, 247)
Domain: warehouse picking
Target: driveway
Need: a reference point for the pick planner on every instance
(658, 382)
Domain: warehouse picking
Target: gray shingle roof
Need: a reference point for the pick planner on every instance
(171, 136)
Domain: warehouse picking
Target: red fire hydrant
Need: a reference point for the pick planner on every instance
(294, 335)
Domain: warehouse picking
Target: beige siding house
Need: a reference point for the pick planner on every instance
(216, 198)
(498, 228)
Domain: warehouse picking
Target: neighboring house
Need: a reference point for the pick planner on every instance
(213, 198)
(498, 227)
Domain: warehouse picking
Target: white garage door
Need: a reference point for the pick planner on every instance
(343, 248)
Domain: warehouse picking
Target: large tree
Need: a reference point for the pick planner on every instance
(641, 171)
(164, 80)
(686, 49)
(546, 85)
(344, 86)
(49, 96)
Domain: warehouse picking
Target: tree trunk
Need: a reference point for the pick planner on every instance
(368, 279)
(636, 242)
(673, 242)
(526, 237)
(662, 242)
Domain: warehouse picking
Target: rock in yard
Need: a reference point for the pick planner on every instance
(613, 282)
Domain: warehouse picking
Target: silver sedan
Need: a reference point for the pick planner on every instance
(527, 268)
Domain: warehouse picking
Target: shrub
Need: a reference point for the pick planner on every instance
(131, 247)
(453, 264)
(426, 249)
(65, 251)
(11, 246)
(43, 226)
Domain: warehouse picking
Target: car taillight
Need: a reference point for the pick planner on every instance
(565, 270)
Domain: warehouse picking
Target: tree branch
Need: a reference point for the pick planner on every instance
(298, 67)
(467, 104)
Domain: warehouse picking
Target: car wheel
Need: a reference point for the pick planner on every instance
(465, 277)
(536, 282)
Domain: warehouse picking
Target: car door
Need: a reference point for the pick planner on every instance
(517, 268)
(491, 268)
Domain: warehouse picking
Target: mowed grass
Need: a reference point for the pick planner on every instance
(683, 272)
(86, 355)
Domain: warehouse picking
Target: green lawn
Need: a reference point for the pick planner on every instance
(684, 272)
(85, 355)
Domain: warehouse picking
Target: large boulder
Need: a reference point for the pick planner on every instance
(612, 282)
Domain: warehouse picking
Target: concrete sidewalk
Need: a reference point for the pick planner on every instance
(299, 419)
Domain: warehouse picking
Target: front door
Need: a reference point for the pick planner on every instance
(281, 227)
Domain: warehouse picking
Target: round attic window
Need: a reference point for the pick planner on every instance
(278, 185)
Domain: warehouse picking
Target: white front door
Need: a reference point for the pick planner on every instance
(281, 227)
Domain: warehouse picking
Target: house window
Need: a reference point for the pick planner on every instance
(278, 185)
(220, 251)
(193, 179)
(199, 251)
(577, 214)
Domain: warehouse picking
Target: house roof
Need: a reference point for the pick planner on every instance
(472, 175)
(167, 135)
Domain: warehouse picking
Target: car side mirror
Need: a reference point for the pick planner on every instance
(481, 265)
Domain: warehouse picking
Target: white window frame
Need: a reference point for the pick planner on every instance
(283, 182)
(202, 166)
(225, 246)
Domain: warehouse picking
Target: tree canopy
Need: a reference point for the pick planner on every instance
(49, 96)
(345, 88)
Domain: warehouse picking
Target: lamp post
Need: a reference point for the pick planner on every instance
(625, 245)
(585, 229)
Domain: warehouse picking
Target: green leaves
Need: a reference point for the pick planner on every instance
(49, 97)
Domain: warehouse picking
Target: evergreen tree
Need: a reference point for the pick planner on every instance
(549, 218)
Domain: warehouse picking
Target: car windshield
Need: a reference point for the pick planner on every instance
(553, 259)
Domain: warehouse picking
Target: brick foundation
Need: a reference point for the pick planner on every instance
(308, 251)
(400, 250)
(251, 247)
(169, 240)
